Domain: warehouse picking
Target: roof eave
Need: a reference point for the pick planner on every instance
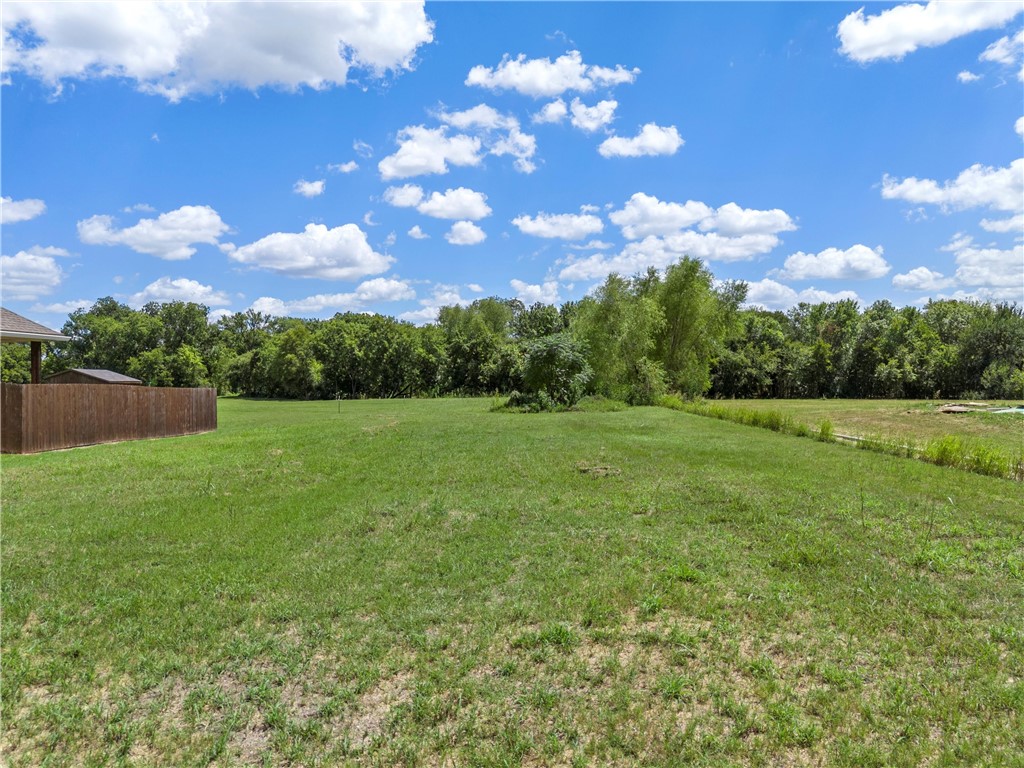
(25, 336)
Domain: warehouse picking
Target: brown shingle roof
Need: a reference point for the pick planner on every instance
(14, 327)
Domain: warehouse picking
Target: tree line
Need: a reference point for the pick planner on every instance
(632, 339)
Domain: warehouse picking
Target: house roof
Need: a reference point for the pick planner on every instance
(14, 327)
(110, 377)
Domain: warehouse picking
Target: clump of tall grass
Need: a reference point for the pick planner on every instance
(949, 451)
(955, 451)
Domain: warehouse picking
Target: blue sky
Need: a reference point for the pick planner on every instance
(310, 158)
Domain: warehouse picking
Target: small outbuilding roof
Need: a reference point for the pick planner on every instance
(14, 327)
(101, 375)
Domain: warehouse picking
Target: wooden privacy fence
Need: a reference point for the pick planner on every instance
(45, 417)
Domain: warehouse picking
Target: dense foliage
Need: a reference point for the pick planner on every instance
(634, 339)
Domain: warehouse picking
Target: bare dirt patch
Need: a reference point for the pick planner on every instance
(372, 709)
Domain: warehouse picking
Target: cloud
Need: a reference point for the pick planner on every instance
(442, 296)
(182, 49)
(480, 116)
(659, 252)
(341, 253)
(732, 220)
(405, 196)
(362, 149)
(62, 307)
(652, 140)
(418, 234)
(858, 262)
(348, 167)
(465, 233)
(645, 215)
(922, 279)
(26, 276)
(1019, 126)
(967, 77)
(552, 112)
(547, 293)
(47, 250)
(379, 289)
(542, 77)
(424, 150)
(994, 273)
(770, 294)
(1007, 51)
(460, 203)
(591, 245)
(895, 32)
(1012, 224)
(13, 211)
(498, 133)
(170, 236)
(139, 208)
(979, 186)
(309, 188)
(590, 119)
(181, 289)
(567, 226)
(475, 288)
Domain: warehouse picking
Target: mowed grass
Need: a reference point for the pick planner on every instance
(910, 420)
(429, 583)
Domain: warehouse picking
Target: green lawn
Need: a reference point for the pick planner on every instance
(909, 419)
(426, 582)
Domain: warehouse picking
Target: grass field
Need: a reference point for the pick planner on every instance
(909, 419)
(430, 583)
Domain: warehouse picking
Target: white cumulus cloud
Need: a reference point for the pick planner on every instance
(770, 294)
(858, 262)
(465, 233)
(181, 49)
(418, 234)
(730, 219)
(341, 253)
(498, 133)
(461, 203)
(645, 215)
(652, 140)
(567, 226)
(12, 211)
(552, 112)
(895, 32)
(545, 293)
(379, 289)
(180, 289)
(309, 188)
(423, 150)
(1001, 189)
(590, 119)
(967, 76)
(545, 78)
(62, 307)
(659, 252)
(922, 279)
(405, 196)
(27, 276)
(1012, 224)
(348, 167)
(170, 236)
